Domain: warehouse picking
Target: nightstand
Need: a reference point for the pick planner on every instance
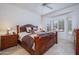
(8, 41)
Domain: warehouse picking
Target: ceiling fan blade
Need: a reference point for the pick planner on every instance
(49, 7)
(46, 5)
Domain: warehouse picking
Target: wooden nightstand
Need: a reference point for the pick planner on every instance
(8, 41)
(77, 41)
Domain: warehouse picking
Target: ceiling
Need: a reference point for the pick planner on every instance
(40, 9)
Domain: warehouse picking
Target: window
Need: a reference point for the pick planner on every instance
(55, 25)
(69, 21)
(61, 25)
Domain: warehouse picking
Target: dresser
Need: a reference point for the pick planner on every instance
(8, 41)
(77, 41)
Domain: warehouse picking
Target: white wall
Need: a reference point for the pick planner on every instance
(11, 15)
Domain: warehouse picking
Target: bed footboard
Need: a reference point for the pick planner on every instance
(44, 42)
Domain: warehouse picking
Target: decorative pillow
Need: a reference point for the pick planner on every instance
(35, 28)
(28, 29)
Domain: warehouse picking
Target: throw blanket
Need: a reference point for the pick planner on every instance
(28, 40)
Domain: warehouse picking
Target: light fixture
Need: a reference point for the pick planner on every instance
(8, 29)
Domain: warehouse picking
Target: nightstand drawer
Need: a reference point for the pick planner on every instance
(8, 41)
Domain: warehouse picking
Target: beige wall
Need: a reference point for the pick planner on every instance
(11, 15)
(0, 42)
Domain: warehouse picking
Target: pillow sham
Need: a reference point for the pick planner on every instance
(28, 29)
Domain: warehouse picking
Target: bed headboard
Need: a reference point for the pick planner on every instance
(23, 28)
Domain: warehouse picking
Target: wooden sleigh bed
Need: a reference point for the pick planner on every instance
(42, 42)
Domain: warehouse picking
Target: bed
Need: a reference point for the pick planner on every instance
(35, 43)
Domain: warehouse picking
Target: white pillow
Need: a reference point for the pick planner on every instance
(36, 31)
(28, 29)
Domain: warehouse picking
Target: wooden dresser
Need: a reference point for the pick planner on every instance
(77, 41)
(8, 41)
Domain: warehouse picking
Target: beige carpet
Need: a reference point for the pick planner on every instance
(64, 47)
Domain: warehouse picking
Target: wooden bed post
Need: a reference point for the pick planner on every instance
(18, 30)
(56, 37)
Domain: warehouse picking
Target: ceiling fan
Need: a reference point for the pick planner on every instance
(47, 5)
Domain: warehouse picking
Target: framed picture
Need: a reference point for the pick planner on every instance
(55, 25)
